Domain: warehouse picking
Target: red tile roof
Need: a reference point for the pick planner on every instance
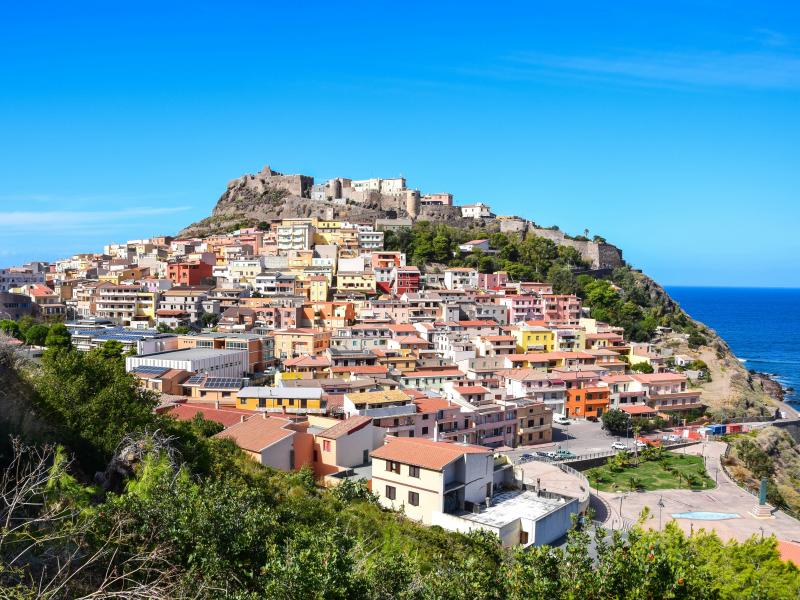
(423, 453)
(258, 432)
(346, 427)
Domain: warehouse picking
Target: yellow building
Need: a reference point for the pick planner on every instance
(534, 338)
(353, 281)
(296, 400)
(146, 306)
(327, 231)
(116, 277)
(297, 342)
(318, 288)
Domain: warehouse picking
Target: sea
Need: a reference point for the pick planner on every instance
(761, 325)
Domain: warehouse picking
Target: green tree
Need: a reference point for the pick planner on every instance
(616, 421)
(642, 367)
(209, 319)
(10, 328)
(58, 336)
(94, 402)
(110, 350)
(36, 335)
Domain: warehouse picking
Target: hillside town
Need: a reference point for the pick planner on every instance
(315, 347)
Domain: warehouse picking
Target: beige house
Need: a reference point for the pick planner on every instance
(425, 478)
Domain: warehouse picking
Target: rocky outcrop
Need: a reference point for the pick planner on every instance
(270, 195)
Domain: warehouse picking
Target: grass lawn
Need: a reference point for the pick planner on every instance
(670, 472)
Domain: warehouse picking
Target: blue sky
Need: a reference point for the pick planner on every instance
(669, 128)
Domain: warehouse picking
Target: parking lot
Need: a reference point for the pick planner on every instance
(579, 437)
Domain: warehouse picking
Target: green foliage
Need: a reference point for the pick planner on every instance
(10, 328)
(58, 336)
(642, 367)
(696, 340)
(110, 350)
(755, 458)
(36, 334)
(93, 401)
(653, 470)
(616, 421)
(209, 319)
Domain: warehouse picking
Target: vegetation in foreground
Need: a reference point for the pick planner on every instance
(652, 469)
(182, 514)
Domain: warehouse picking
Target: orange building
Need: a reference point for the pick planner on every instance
(587, 402)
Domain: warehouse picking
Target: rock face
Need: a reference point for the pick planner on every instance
(270, 195)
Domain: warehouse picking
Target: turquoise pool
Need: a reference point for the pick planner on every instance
(705, 516)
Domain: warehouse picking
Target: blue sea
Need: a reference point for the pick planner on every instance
(761, 325)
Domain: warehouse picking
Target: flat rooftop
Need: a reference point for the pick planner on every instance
(507, 507)
(191, 354)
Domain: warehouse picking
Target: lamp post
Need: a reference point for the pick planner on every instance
(660, 506)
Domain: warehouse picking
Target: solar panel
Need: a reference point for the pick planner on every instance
(195, 379)
(147, 370)
(223, 383)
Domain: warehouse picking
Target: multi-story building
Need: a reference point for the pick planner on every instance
(426, 477)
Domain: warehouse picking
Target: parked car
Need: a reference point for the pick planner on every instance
(674, 438)
(618, 446)
(592, 419)
(564, 454)
(640, 444)
(527, 457)
(560, 420)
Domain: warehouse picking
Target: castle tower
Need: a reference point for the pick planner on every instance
(412, 203)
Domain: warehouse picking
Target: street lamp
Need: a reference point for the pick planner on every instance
(660, 506)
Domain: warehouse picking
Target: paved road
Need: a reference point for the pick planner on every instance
(580, 437)
(726, 497)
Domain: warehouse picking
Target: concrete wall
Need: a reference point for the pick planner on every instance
(553, 525)
(350, 448)
(278, 455)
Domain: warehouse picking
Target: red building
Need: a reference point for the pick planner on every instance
(188, 273)
(406, 280)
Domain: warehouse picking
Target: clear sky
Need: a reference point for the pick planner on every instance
(670, 128)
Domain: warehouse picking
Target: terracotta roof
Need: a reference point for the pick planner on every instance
(346, 427)
(411, 339)
(425, 453)
(333, 401)
(789, 551)
(471, 389)
(498, 338)
(307, 361)
(257, 433)
(426, 404)
(638, 409)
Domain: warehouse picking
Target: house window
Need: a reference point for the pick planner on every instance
(523, 537)
(391, 492)
(424, 431)
(413, 498)
(413, 471)
(393, 466)
(326, 445)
